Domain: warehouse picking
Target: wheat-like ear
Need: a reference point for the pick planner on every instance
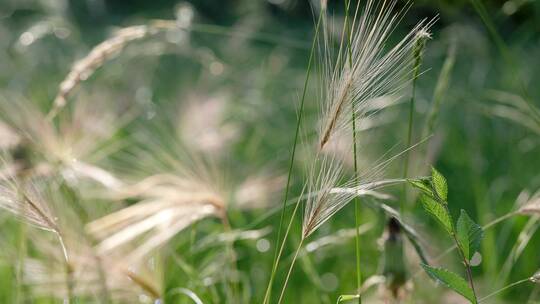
(327, 193)
(324, 175)
(101, 53)
(25, 202)
(372, 72)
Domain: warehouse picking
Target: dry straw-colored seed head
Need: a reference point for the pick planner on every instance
(366, 70)
(103, 52)
(69, 147)
(107, 277)
(24, 200)
(168, 204)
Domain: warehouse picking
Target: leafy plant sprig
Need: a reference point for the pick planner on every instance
(466, 234)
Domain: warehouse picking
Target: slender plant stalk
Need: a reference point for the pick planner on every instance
(279, 250)
(70, 279)
(355, 159)
(290, 270)
(417, 57)
(504, 288)
(464, 258)
(282, 245)
(467, 266)
(229, 247)
(485, 227)
(21, 253)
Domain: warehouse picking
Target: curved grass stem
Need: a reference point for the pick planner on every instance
(290, 270)
(503, 289)
(355, 160)
(279, 249)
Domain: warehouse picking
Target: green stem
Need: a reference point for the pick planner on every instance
(355, 156)
(503, 289)
(21, 253)
(229, 247)
(290, 270)
(463, 257)
(278, 251)
(485, 227)
(467, 267)
(410, 128)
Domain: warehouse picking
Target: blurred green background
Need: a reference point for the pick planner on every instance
(253, 54)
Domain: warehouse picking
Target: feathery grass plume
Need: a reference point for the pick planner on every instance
(168, 204)
(102, 53)
(380, 113)
(324, 176)
(72, 146)
(373, 71)
(102, 278)
(328, 190)
(174, 188)
(26, 200)
(327, 193)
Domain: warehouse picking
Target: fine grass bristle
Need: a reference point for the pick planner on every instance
(372, 72)
(274, 151)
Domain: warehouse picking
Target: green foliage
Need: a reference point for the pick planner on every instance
(452, 281)
(424, 185)
(469, 235)
(439, 184)
(248, 60)
(438, 211)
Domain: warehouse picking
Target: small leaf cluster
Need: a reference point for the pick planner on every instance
(466, 233)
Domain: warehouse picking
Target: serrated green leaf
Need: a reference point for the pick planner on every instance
(439, 184)
(469, 235)
(423, 185)
(438, 211)
(452, 281)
